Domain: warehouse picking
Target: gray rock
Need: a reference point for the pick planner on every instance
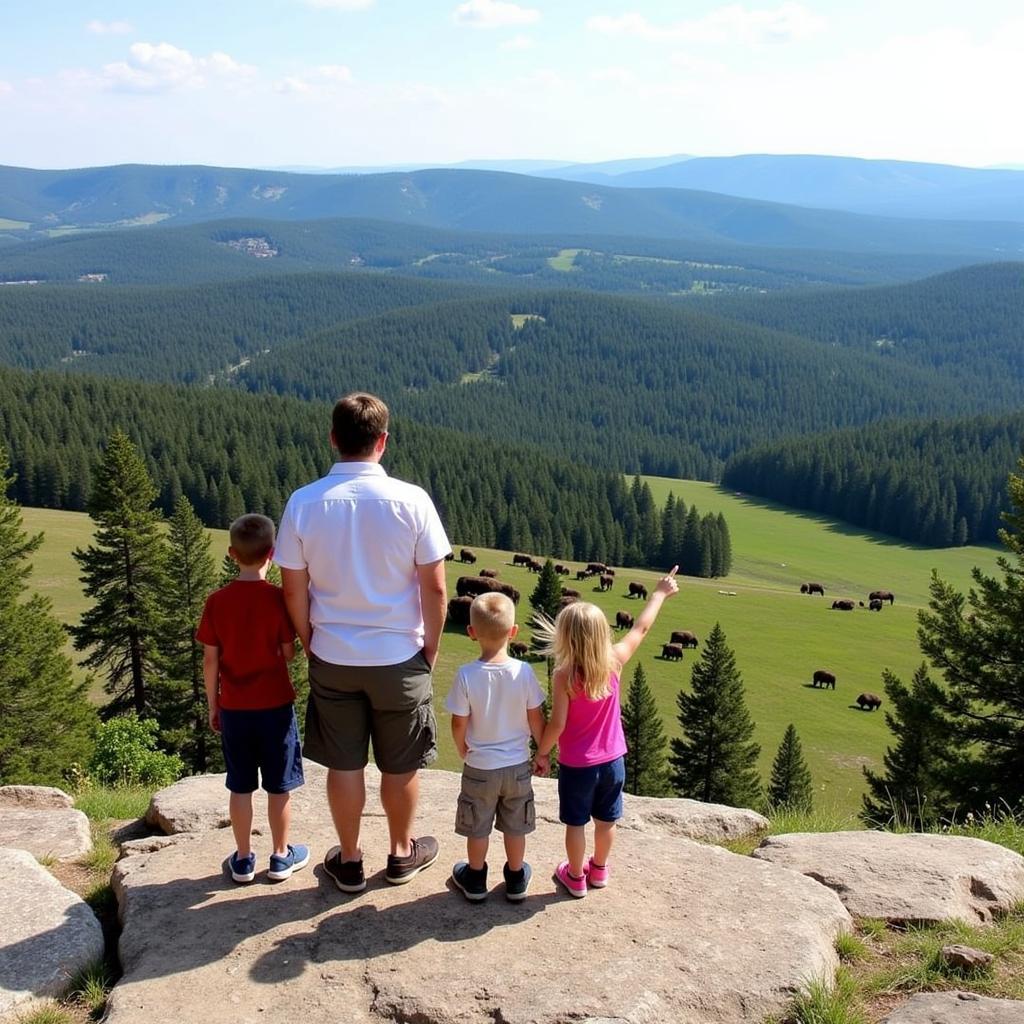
(956, 1008)
(906, 878)
(199, 803)
(39, 797)
(965, 958)
(48, 934)
(685, 932)
(58, 834)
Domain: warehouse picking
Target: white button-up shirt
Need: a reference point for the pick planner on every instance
(360, 535)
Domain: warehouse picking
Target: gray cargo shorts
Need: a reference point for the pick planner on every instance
(501, 798)
(350, 705)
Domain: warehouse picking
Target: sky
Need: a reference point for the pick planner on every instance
(332, 83)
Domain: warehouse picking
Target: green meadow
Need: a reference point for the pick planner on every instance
(779, 635)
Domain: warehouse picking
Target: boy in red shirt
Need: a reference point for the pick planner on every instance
(248, 640)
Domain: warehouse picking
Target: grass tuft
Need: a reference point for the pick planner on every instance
(106, 803)
(90, 989)
(820, 1003)
(851, 947)
(47, 1015)
(101, 898)
(103, 855)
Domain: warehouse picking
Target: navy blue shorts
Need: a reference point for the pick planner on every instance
(592, 792)
(261, 743)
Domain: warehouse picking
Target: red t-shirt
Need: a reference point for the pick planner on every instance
(247, 621)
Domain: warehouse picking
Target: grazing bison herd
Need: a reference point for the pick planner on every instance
(469, 587)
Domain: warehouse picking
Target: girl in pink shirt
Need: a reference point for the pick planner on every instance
(586, 723)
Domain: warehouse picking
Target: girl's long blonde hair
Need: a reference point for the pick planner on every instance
(580, 641)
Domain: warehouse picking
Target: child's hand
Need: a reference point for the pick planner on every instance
(214, 718)
(667, 585)
(541, 764)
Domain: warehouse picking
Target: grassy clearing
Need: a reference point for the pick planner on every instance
(565, 260)
(518, 319)
(101, 804)
(780, 636)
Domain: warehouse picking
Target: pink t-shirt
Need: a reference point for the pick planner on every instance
(593, 729)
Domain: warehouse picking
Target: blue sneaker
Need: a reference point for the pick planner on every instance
(282, 867)
(243, 869)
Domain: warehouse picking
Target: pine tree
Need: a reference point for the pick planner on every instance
(790, 786)
(547, 595)
(228, 571)
(725, 547)
(912, 790)
(123, 572)
(646, 771)
(690, 549)
(46, 721)
(716, 758)
(180, 699)
(981, 658)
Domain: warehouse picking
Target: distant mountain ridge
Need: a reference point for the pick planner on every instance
(134, 195)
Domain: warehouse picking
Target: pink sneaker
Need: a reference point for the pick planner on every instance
(573, 886)
(596, 876)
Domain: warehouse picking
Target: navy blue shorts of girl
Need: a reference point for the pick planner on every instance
(591, 792)
(262, 743)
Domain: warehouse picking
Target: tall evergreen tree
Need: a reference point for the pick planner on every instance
(547, 595)
(46, 721)
(790, 786)
(646, 769)
(691, 549)
(715, 760)
(912, 790)
(123, 572)
(981, 657)
(725, 547)
(180, 699)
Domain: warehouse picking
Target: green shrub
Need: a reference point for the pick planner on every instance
(126, 755)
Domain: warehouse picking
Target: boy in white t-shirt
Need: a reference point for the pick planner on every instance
(496, 706)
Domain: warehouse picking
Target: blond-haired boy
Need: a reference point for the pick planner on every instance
(495, 704)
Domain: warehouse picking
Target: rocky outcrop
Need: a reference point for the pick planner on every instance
(957, 1008)
(685, 932)
(48, 934)
(36, 797)
(199, 803)
(48, 834)
(906, 878)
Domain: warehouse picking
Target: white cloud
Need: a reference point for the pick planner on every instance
(517, 43)
(791, 22)
(163, 67)
(293, 85)
(340, 5)
(315, 81)
(5, 88)
(108, 28)
(494, 14)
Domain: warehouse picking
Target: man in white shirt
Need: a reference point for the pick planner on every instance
(362, 562)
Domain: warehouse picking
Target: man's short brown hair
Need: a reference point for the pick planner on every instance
(358, 421)
(252, 538)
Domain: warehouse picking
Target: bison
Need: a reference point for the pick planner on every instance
(683, 637)
(672, 652)
(490, 574)
(465, 555)
(823, 679)
(568, 599)
(812, 588)
(450, 557)
(566, 592)
(562, 570)
(882, 595)
(518, 649)
(521, 560)
(582, 574)
(607, 582)
(474, 586)
(869, 701)
(874, 605)
(534, 566)
(843, 606)
(623, 620)
(596, 568)
(458, 610)
(637, 590)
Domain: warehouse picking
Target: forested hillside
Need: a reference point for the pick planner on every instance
(618, 383)
(230, 249)
(967, 322)
(939, 483)
(230, 452)
(129, 195)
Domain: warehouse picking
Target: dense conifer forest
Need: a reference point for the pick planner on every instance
(938, 483)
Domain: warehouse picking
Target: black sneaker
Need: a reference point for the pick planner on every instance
(517, 882)
(404, 869)
(471, 881)
(348, 875)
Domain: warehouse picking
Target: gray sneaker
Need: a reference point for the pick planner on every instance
(472, 883)
(404, 869)
(517, 882)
